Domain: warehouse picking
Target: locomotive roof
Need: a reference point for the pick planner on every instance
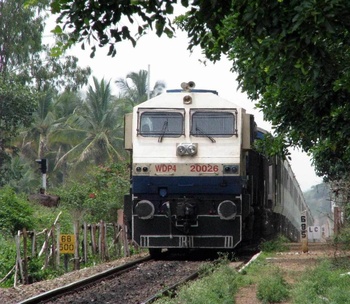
(193, 91)
(201, 98)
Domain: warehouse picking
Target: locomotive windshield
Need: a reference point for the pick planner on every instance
(218, 123)
(168, 124)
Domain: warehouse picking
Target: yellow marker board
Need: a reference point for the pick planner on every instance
(67, 243)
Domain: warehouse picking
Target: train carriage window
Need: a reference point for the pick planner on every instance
(215, 123)
(165, 124)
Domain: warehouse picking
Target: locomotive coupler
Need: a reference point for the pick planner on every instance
(186, 215)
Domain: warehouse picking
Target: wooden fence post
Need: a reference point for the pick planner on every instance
(76, 251)
(85, 243)
(53, 247)
(58, 230)
(18, 259)
(33, 239)
(106, 256)
(93, 238)
(25, 257)
(123, 232)
(47, 248)
(116, 239)
(102, 240)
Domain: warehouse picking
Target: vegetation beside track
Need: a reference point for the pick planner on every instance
(318, 279)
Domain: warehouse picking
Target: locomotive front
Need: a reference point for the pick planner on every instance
(188, 171)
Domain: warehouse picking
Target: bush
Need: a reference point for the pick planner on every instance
(99, 195)
(272, 288)
(7, 258)
(342, 240)
(276, 245)
(16, 213)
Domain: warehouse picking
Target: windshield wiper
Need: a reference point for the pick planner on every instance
(165, 125)
(201, 132)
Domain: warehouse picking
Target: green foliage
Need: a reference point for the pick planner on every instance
(276, 245)
(99, 195)
(44, 218)
(292, 57)
(137, 92)
(327, 283)
(271, 145)
(217, 288)
(342, 240)
(20, 37)
(102, 22)
(14, 114)
(92, 135)
(7, 256)
(37, 274)
(15, 212)
(273, 288)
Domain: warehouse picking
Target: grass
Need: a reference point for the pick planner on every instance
(328, 282)
(218, 287)
(272, 288)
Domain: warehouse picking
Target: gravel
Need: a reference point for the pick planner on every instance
(22, 292)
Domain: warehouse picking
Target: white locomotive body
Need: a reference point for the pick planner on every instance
(195, 180)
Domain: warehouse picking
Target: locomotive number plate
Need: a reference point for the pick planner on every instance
(204, 168)
(165, 168)
(191, 169)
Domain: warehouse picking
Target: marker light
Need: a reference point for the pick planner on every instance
(231, 169)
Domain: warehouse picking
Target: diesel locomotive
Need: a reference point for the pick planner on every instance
(197, 182)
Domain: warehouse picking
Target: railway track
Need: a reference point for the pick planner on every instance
(58, 292)
(141, 281)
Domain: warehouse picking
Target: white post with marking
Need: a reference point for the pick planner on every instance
(303, 232)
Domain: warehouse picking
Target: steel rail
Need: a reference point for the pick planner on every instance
(84, 282)
(169, 291)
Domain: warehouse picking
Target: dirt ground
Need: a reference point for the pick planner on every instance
(292, 263)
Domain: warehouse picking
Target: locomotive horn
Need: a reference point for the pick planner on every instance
(187, 86)
(191, 84)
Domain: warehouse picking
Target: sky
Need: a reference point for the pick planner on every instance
(170, 61)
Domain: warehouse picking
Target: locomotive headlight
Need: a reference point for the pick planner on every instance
(186, 149)
(181, 150)
(227, 210)
(187, 99)
(192, 149)
(144, 209)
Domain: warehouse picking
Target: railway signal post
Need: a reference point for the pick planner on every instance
(43, 168)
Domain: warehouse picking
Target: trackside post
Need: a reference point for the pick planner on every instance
(304, 238)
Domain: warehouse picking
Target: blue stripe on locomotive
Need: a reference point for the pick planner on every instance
(188, 184)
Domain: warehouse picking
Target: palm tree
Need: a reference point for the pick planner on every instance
(39, 140)
(93, 131)
(134, 88)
